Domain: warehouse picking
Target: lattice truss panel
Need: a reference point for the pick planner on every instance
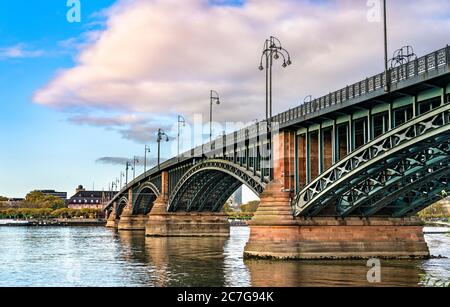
(397, 174)
(208, 184)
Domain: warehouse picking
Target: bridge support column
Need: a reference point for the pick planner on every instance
(128, 221)
(329, 238)
(275, 233)
(161, 223)
(112, 221)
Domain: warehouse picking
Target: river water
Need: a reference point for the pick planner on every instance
(97, 256)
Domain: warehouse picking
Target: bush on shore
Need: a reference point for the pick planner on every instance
(436, 211)
(47, 213)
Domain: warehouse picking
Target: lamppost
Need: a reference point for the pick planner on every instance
(181, 123)
(159, 139)
(214, 97)
(147, 150)
(128, 166)
(272, 51)
(135, 160)
(386, 86)
(121, 176)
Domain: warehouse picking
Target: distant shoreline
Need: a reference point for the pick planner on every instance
(51, 222)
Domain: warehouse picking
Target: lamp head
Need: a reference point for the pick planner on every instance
(284, 65)
(261, 67)
(276, 56)
(289, 62)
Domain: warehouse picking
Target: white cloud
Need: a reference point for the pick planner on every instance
(161, 57)
(19, 51)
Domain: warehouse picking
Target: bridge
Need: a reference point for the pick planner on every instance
(340, 176)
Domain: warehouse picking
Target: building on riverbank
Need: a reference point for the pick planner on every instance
(83, 199)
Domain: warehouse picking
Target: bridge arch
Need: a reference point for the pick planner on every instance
(145, 197)
(121, 204)
(396, 174)
(208, 184)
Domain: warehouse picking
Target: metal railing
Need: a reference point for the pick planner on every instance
(417, 67)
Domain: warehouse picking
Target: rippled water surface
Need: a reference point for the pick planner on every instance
(96, 256)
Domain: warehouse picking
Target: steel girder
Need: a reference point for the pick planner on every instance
(189, 191)
(403, 142)
(144, 197)
(390, 184)
(420, 198)
(211, 201)
(120, 205)
(205, 191)
(198, 176)
(225, 195)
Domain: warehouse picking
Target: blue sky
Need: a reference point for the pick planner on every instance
(40, 149)
(71, 93)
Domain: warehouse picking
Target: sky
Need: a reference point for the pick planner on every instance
(78, 98)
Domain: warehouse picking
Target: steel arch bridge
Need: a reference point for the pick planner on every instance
(397, 174)
(359, 151)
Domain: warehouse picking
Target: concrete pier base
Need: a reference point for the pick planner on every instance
(112, 223)
(188, 225)
(324, 238)
(132, 222)
(275, 233)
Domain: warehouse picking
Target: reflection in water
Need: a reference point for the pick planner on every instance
(334, 273)
(177, 261)
(96, 256)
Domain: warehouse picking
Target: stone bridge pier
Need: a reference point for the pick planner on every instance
(130, 221)
(161, 223)
(276, 233)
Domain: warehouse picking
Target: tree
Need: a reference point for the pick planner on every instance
(38, 199)
(436, 210)
(250, 207)
(2, 198)
(227, 208)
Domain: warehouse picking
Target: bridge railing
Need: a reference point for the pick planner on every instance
(412, 69)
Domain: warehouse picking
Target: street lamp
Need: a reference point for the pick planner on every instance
(161, 134)
(135, 160)
(307, 99)
(128, 166)
(147, 150)
(121, 176)
(181, 123)
(386, 86)
(214, 97)
(272, 51)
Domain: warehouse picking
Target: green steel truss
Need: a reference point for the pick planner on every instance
(385, 176)
(146, 194)
(208, 184)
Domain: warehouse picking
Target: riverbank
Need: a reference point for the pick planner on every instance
(53, 222)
